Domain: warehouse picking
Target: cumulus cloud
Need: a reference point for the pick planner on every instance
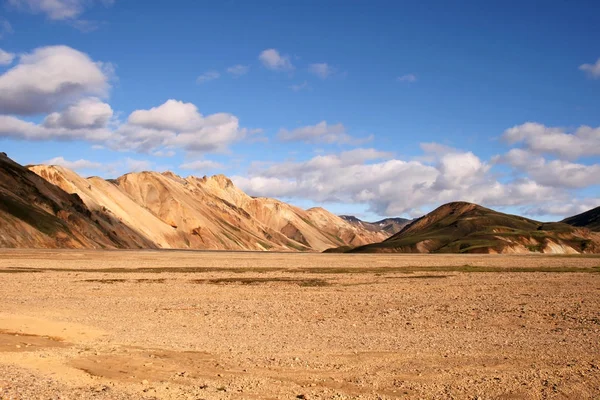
(238, 70)
(15, 128)
(320, 133)
(271, 59)
(555, 173)
(172, 115)
(592, 70)
(409, 78)
(178, 124)
(56, 9)
(201, 165)
(6, 58)
(565, 209)
(322, 70)
(86, 113)
(393, 186)
(50, 78)
(74, 165)
(540, 139)
(208, 76)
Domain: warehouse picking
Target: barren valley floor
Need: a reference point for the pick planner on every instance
(220, 325)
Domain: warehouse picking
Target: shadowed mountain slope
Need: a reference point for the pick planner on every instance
(589, 219)
(36, 213)
(462, 227)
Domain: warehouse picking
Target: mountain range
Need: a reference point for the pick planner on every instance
(49, 206)
(389, 225)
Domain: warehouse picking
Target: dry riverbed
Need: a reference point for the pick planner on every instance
(220, 325)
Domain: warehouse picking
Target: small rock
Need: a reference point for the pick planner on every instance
(301, 396)
(145, 382)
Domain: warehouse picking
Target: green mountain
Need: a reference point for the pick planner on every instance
(462, 227)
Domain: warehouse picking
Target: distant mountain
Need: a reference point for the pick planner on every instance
(388, 225)
(462, 227)
(50, 206)
(589, 219)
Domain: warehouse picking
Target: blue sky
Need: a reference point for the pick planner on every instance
(377, 108)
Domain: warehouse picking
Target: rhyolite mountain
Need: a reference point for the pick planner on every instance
(50, 206)
(462, 227)
(389, 225)
(37, 213)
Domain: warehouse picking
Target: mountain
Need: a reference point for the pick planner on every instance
(589, 219)
(389, 225)
(462, 227)
(36, 213)
(164, 210)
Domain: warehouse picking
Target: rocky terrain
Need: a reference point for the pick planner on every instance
(48, 206)
(81, 324)
(462, 227)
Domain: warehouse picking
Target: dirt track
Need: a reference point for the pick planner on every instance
(191, 325)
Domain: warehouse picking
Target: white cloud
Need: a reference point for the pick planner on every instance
(87, 113)
(178, 124)
(56, 9)
(271, 59)
(208, 76)
(409, 78)
(15, 128)
(555, 173)
(238, 70)
(172, 115)
(320, 133)
(565, 209)
(540, 139)
(592, 70)
(300, 86)
(393, 186)
(322, 70)
(49, 78)
(201, 165)
(6, 58)
(159, 130)
(74, 165)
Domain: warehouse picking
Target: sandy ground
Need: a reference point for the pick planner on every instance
(216, 325)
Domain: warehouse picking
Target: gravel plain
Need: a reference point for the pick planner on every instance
(238, 325)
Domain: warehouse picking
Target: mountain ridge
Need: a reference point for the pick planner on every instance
(204, 213)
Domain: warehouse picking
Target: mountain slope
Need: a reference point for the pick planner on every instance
(223, 216)
(204, 213)
(388, 225)
(589, 219)
(469, 228)
(35, 213)
(101, 196)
